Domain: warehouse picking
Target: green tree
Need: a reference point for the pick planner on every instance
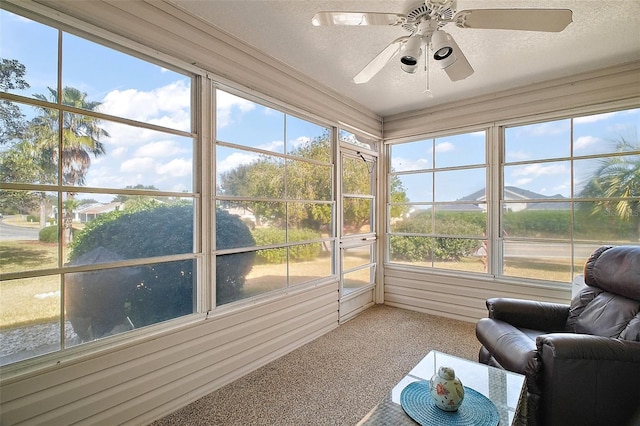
(618, 179)
(81, 138)
(264, 178)
(12, 120)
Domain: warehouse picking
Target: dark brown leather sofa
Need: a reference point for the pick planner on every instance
(581, 361)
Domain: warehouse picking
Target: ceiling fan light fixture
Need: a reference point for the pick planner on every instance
(442, 45)
(410, 54)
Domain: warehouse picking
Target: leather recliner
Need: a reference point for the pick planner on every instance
(581, 361)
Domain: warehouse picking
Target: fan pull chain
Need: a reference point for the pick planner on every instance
(427, 89)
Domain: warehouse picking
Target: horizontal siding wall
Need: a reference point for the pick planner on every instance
(140, 383)
(613, 84)
(457, 297)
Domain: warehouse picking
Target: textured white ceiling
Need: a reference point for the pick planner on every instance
(602, 33)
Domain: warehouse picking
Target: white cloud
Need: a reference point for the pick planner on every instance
(274, 146)
(584, 142)
(297, 142)
(168, 105)
(226, 103)
(523, 181)
(534, 170)
(175, 168)
(234, 160)
(399, 164)
(445, 147)
(138, 165)
(550, 128)
(157, 149)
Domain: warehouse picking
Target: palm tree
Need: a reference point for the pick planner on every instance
(618, 179)
(81, 135)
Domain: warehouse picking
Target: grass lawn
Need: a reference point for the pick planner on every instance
(37, 300)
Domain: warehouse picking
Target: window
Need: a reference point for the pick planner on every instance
(98, 199)
(569, 186)
(566, 187)
(274, 200)
(437, 209)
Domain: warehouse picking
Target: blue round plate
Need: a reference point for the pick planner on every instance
(475, 410)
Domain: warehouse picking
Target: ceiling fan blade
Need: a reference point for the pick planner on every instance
(550, 20)
(377, 63)
(356, 18)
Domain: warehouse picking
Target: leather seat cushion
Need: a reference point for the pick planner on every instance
(511, 347)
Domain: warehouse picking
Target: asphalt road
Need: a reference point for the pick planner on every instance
(13, 233)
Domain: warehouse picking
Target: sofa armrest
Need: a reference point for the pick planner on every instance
(587, 379)
(543, 316)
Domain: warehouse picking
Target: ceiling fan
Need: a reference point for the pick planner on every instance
(424, 22)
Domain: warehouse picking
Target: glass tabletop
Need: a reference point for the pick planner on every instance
(504, 388)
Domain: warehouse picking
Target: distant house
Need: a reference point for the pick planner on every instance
(91, 211)
(519, 199)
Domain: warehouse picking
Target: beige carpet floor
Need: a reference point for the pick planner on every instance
(335, 379)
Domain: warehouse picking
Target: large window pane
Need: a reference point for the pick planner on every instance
(112, 155)
(308, 221)
(418, 187)
(29, 234)
(308, 181)
(411, 250)
(29, 317)
(110, 301)
(358, 279)
(32, 49)
(411, 219)
(354, 171)
(308, 140)
(357, 215)
(460, 184)
(412, 156)
(608, 177)
(460, 150)
(146, 92)
(308, 262)
(539, 220)
(29, 141)
(248, 174)
(549, 261)
(265, 221)
(126, 227)
(357, 256)
(247, 123)
(523, 182)
(467, 220)
(606, 133)
(538, 141)
(243, 275)
(604, 222)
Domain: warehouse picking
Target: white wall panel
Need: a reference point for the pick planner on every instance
(140, 383)
(457, 297)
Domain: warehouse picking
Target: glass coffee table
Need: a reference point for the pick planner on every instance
(505, 389)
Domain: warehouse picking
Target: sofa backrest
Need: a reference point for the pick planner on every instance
(609, 305)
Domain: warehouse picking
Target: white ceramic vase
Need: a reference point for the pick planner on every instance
(446, 389)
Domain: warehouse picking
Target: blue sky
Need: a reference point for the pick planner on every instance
(153, 94)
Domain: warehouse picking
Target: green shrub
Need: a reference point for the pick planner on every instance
(439, 248)
(297, 253)
(32, 218)
(48, 234)
(97, 302)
